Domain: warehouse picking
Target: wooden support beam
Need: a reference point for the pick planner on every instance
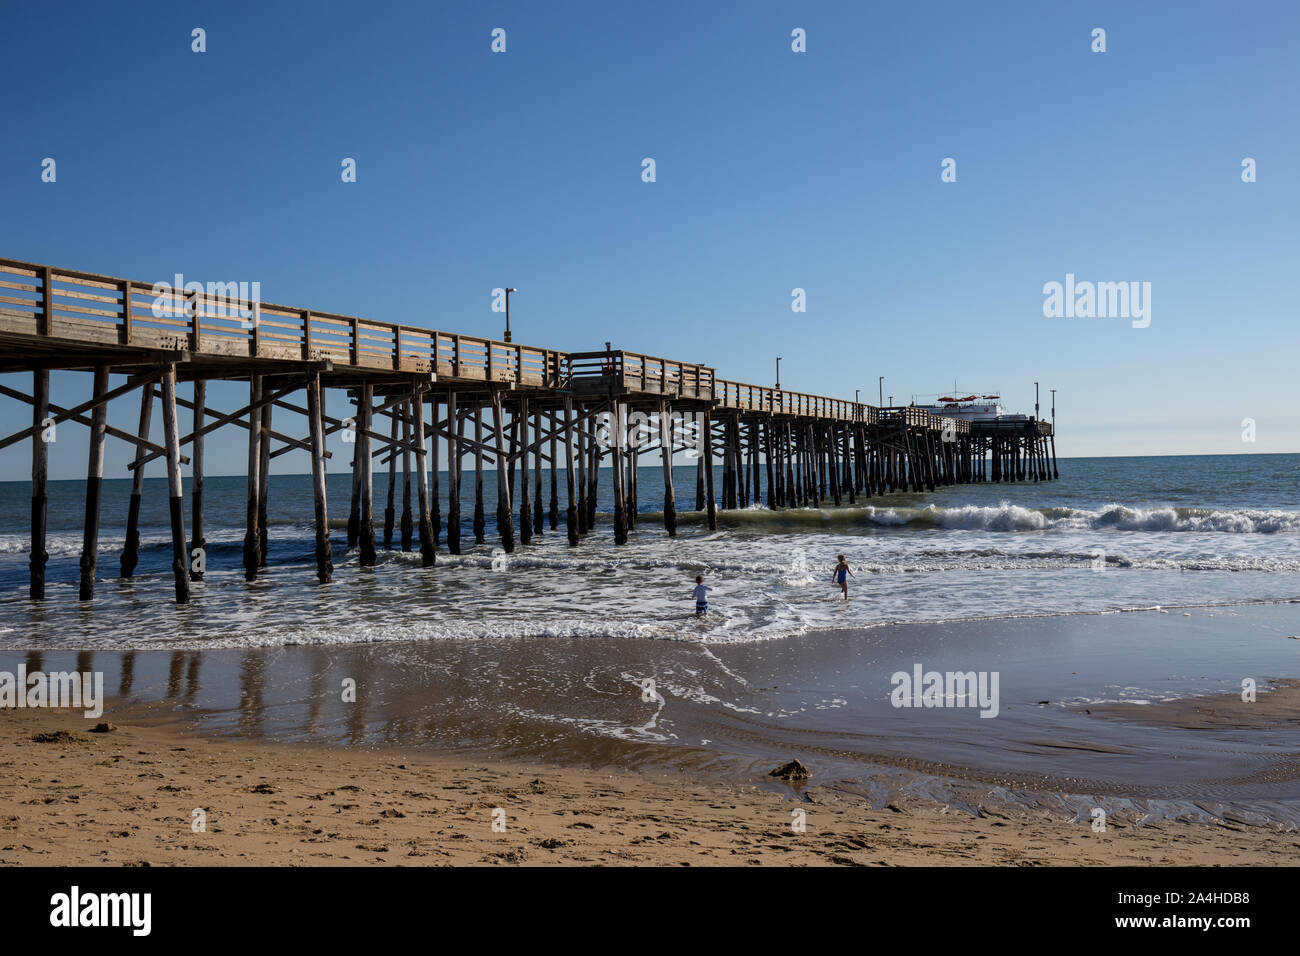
(335, 425)
(539, 517)
(584, 460)
(555, 498)
(525, 507)
(64, 414)
(358, 450)
(131, 546)
(390, 506)
(366, 542)
(408, 527)
(253, 536)
(766, 427)
(198, 543)
(593, 475)
(505, 516)
(699, 481)
(618, 434)
(571, 524)
(666, 453)
(710, 502)
(428, 552)
(172, 440)
(833, 466)
(729, 496)
(788, 455)
(629, 489)
(264, 484)
(94, 485)
(219, 419)
(324, 560)
(480, 522)
(453, 475)
(435, 501)
(40, 473)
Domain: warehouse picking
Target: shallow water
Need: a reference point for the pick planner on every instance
(1110, 534)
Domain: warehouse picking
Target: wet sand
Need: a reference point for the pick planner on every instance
(125, 797)
(1278, 709)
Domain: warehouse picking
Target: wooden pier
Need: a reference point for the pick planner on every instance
(556, 419)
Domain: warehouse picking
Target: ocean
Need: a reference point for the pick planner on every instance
(1110, 534)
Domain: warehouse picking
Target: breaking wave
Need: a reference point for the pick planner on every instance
(1007, 517)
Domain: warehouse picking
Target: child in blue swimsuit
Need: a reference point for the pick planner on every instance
(842, 575)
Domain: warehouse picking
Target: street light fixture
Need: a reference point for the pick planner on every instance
(778, 371)
(508, 291)
(881, 384)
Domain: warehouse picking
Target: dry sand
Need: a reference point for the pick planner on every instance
(72, 797)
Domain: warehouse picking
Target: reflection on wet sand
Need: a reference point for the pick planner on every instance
(738, 710)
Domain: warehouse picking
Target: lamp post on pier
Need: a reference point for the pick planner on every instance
(508, 291)
(778, 371)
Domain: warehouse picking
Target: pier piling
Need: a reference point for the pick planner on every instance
(324, 561)
(172, 440)
(40, 473)
(253, 536)
(197, 553)
(365, 411)
(455, 427)
(428, 552)
(131, 545)
(94, 484)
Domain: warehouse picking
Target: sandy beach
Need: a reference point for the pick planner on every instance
(70, 796)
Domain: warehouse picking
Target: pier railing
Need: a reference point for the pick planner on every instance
(86, 309)
(631, 371)
(759, 398)
(102, 310)
(912, 417)
(466, 358)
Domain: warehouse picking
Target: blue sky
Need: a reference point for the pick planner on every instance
(775, 170)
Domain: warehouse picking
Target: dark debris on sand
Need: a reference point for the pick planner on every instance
(794, 770)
